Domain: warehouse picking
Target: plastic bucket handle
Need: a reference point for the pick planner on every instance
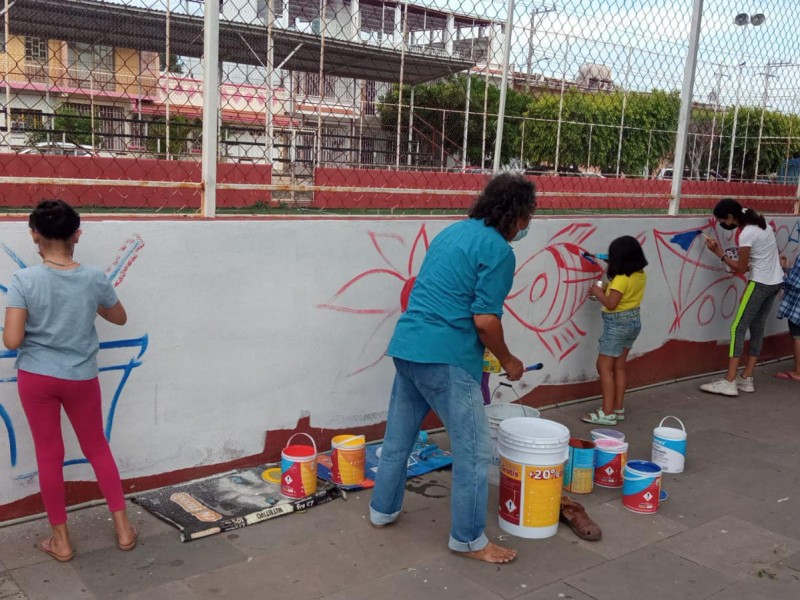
(313, 443)
(672, 417)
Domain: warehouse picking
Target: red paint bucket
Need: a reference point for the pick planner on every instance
(642, 488)
(299, 468)
(609, 460)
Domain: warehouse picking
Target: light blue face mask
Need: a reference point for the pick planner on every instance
(521, 234)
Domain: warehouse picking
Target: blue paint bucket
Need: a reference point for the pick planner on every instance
(641, 487)
(579, 470)
(669, 447)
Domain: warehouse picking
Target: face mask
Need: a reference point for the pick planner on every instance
(728, 226)
(520, 234)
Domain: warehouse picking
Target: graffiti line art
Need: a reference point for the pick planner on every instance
(345, 299)
(115, 273)
(551, 286)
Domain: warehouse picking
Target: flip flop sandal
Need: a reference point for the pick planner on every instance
(786, 376)
(598, 417)
(574, 515)
(46, 546)
(130, 546)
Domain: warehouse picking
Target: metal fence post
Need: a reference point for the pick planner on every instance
(501, 111)
(208, 186)
(686, 107)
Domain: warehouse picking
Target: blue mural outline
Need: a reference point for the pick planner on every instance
(120, 266)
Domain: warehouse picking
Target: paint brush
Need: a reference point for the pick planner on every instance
(534, 367)
(590, 256)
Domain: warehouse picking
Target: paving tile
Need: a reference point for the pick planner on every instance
(695, 500)
(793, 562)
(776, 514)
(50, 580)
(9, 590)
(425, 583)
(623, 530)
(732, 546)
(556, 591)
(539, 563)
(764, 588)
(648, 573)
(155, 560)
(174, 590)
(721, 447)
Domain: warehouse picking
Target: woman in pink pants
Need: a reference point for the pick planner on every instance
(50, 314)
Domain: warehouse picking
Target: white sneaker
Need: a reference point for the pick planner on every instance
(745, 384)
(721, 386)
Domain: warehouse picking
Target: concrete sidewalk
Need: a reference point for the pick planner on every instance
(730, 530)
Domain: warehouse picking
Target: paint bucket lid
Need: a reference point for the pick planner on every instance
(533, 433)
(348, 442)
(581, 444)
(608, 434)
(497, 413)
(608, 445)
(299, 451)
(663, 496)
(643, 467)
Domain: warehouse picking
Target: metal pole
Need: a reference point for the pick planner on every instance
(6, 35)
(208, 185)
(522, 141)
(410, 126)
(323, 28)
(166, 61)
(717, 92)
(466, 122)
(744, 149)
(441, 150)
(400, 87)
(686, 107)
(485, 115)
(767, 75)
(561, 105)
(589, 153)
(269, 92)
(501, 111)
(736, 109)
(721, 135)
(624, 105)
(649, 145)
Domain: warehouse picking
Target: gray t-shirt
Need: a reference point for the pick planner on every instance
(60, 336)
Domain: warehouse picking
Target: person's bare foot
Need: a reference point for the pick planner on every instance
(492, 553)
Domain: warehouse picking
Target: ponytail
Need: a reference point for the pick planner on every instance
(743, 216)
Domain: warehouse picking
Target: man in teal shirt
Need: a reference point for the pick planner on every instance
(454, 314)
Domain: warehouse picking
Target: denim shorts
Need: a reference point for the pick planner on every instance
(620, 330)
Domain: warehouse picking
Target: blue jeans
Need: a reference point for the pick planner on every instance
(456, 398)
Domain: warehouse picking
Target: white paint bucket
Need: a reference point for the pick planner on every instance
(496, 414)
(669, 446)
(607, 434)
(532, 456)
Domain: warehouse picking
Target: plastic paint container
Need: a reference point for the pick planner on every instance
(579, 470)
(299, 468)
(610, 458)
(641, 490)
(669, 447)
(348, 459)
(496, 414)
(532, 456)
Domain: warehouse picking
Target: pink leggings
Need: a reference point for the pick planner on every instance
(42, 398)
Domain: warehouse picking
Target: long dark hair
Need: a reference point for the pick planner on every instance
(625, 257)
(54, 220)
(743, 216)
(506, 199)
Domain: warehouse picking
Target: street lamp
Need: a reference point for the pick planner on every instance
(741, 20)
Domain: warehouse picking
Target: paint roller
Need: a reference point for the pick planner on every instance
(534, 367)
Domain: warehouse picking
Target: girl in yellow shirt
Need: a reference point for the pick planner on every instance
(621, 299)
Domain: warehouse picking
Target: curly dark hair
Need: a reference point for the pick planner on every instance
(625, 257)
(54, 220)
(743, 216)
(506, 198)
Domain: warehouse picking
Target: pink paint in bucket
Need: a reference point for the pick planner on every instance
(299, 468)
(641, 490)
(609, 460)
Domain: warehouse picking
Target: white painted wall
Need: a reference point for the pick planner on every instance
(251, 324)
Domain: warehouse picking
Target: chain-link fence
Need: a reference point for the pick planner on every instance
(387, 105)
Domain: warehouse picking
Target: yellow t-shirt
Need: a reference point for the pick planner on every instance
(632, 290)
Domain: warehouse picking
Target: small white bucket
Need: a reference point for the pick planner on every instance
(532, 456)
(496, 414)
(669, 446)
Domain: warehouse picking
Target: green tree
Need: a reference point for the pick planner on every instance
(68, 126)
(182, 132)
